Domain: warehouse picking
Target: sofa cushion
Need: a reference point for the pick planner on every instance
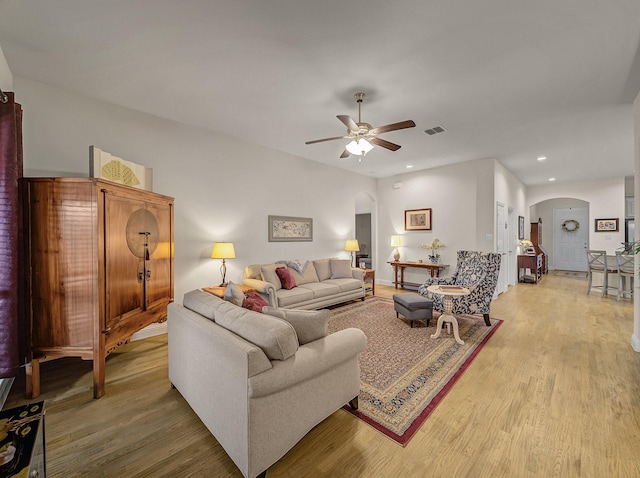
(293, 296)
(340, 269)
(253, 301)
(277, 339)
(308, 277)
(234, 294)
(345, 284)
(322, 289)
(202, 303)
(268, 273)
(323, 269)
(286, 279)
(310, 325)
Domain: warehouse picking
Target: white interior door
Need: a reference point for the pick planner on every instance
(570, 248)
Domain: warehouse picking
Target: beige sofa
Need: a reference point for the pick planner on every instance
(321, 283)
(259, 382)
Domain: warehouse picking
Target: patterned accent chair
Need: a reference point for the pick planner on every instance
(478, 272)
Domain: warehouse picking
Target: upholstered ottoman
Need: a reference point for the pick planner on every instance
(413, 307)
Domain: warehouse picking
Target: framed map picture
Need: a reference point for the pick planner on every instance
(290, 229)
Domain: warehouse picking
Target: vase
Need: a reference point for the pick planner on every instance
(434, 260)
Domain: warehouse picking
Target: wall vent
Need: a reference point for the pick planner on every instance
(434, 130)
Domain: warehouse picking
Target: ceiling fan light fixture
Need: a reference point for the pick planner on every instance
(359, 147)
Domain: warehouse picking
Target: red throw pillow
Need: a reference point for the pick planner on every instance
(254, 301)
(286, 279)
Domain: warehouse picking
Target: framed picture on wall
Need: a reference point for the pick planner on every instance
(520, 228)
(290, 229)
(607, 225)
(417, 219)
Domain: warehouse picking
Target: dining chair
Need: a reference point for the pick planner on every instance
(599, 262)
(626, 273)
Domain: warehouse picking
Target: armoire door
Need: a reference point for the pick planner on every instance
(158, 275)
(124, 237)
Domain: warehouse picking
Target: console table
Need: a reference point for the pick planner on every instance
(533, 263)
(398, 266)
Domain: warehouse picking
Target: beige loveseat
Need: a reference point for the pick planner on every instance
(259, 382)
(319, 283)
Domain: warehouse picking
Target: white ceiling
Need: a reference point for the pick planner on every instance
(507, 79)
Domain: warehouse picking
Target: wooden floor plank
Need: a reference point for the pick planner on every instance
(554, 393)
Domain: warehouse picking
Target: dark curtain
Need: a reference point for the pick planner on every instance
(12, 336)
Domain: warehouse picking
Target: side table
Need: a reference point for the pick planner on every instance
(218, 290)
(370, 277)
(22, 447)
(448, 293)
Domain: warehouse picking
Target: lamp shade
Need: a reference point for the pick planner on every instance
(223, 250)
(351, 245)
(396, 240)
(359, 147)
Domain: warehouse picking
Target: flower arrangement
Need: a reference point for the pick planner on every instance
(434, 246)
(526, 243)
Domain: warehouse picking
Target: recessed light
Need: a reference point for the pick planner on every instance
(541, 158)
(552, 179)
(409, 166)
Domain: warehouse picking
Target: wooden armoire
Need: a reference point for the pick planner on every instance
(100, 268)
(536, 239)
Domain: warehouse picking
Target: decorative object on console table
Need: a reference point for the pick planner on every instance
(99, 267)
(23, 442)
(351, 246)
(417, 219)
(396, 241)
(223, 250)
(435, 245)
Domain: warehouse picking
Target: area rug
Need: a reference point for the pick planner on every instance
(404, 373)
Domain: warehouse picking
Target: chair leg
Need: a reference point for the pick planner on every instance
(605, 284)
(486, 320)
(354, 403)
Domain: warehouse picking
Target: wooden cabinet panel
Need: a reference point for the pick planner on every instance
(100, 268)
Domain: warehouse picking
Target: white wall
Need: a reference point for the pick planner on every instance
(224, 188)
(462, 199)
(635, 337)
(605, 198)
(6, 78)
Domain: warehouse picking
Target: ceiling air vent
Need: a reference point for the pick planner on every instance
(434, 130)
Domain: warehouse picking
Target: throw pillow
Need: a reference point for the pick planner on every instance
(269, 275)
(234, 294)
(310, 325)
(340, 269)
(254, 301)
(286, 279)
(323, 269)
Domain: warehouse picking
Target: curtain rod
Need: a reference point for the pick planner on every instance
(4, 98)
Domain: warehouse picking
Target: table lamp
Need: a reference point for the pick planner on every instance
(351, 246)
(223, 250)
(396, 241)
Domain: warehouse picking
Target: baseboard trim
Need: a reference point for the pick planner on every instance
(150, 331)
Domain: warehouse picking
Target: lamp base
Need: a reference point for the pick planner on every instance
(396, 255)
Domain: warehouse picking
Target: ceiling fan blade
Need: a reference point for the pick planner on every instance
(349, 123)
(393, 127)
(345, 154)
(385, 144)
(324, 139)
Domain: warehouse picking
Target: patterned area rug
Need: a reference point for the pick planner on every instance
(404, 373)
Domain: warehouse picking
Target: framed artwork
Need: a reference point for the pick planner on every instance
(607, 225)
(106, 166)
(290, 229)
(417, 219)
(520, 228)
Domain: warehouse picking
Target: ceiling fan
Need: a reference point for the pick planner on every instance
(363, 135)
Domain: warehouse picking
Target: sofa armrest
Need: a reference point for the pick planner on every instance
(357, 273)
(310, 360)
(264, 288)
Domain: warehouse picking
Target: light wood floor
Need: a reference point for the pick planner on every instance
(554, 393)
